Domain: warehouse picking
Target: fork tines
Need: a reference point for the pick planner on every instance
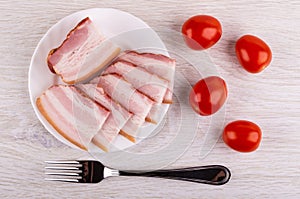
(65, 171)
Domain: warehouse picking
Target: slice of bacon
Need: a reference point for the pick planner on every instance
(156, 64)
(73, 115)
(116, 120)
(124, 93)
(149, 84)
(131, 99)
(84, 52)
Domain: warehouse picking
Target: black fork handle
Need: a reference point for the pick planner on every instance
(213, 174)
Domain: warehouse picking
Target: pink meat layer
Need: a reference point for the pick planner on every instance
(135, 102)
(123, 92)
(149, 84)
(157, 64)
(116, 120)
(82, 53)
(74, 116)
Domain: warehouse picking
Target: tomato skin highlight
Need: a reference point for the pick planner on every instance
(208, 95)
(242, 135)
(253, 53)
(201, 31)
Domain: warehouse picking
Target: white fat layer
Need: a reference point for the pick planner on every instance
(83, 138)
(95, 59)
(147, 83)
(74, 58)
(133, 125)
(168, 95)
(154, 66)
(86, 130)
(160, 68)
(97, 93)
(111, 128)
(62, 123)
(109, 131)
(97, 114)
(102, 140)
(118, 113)
(123, 92)
(117, 119)
(155, 112)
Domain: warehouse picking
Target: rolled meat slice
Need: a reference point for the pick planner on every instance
(84, 52)
(115, 121)
(131, 99)
(157, 64)
(73, 115)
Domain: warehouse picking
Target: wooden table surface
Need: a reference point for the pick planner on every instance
(271, 99)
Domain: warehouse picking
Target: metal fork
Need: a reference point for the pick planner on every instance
(90, 171)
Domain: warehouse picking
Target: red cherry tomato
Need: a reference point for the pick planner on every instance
(201, 31)
(208, 95)
(242, 135)
(253, 53)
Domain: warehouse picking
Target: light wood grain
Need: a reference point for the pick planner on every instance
(271, 99)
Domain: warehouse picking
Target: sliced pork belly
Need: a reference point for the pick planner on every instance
(84, 52)
(131, 129)
(149, 84)
(135, 102)
(76, 117)
(124, 93)
(116, 120)
(156, 64)
(155, 112)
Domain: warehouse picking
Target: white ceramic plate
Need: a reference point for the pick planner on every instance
(126, 30)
